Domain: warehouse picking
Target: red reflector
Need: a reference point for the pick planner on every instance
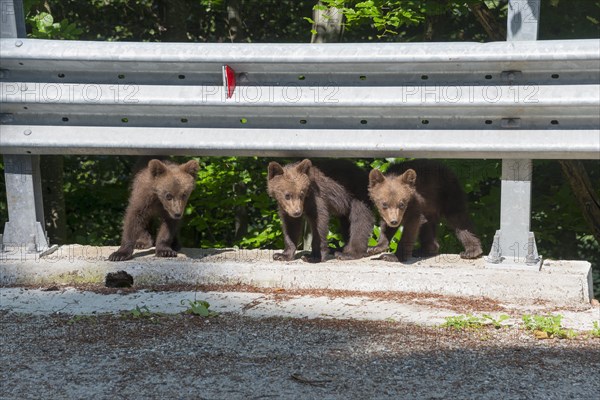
(228, 80)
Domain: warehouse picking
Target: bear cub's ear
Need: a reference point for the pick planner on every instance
(156, 167)
(191, 167)
(375, 178)
(409, 177)
(274, 169)
(304, 166)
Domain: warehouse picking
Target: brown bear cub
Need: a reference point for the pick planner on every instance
(318, 191)
(416, 194)
(160, 190)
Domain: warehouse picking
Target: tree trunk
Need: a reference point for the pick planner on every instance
(430, 22)
(241, 213)
(54, 198)
(587, 198)
(328, 26)
(175, 13)
(494, 29)
(329, 29)
(235, 31)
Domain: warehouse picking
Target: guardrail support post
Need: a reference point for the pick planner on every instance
(22, 172)
(513, 242)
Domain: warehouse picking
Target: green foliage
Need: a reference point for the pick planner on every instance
(595, 332)
(96, 192)
(386, 16)
(230, 191)
(495, 322)
(44, 27)
(142, 312)
(547, 326)
(394, 20)
(560, 229)
(453, 20)
(202, 20)
(199, 308)
(462, 322)
(569, 19)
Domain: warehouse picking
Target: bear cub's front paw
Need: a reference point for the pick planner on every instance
(119, 256)
(388, 257)
(311, 259)
(282, 257)
(166, 253)
(371, 251)
(471, 254)
(346, 256)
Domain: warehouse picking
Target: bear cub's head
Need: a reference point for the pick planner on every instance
(173, 184)
(289, 185)
(392, 194)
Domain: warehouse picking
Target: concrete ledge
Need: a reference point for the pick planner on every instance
(562, 283)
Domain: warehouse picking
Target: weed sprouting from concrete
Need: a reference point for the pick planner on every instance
(142, 312)
(495, 322)
(595, 332)
(462, 322)
(547, 326)
(199, 307)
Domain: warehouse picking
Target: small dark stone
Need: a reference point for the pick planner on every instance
(119, 279)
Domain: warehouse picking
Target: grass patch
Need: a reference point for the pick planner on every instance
(595, 332)
(142, 312)
(200, 308)
(547, 326)
(463, 322)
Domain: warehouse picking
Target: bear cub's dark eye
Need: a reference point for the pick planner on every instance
(169, 196)
(384, 206)
(288, 196)
(402, 206)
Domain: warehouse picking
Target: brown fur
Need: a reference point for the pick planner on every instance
(318, 191)
(159, 190)
(416, 194)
